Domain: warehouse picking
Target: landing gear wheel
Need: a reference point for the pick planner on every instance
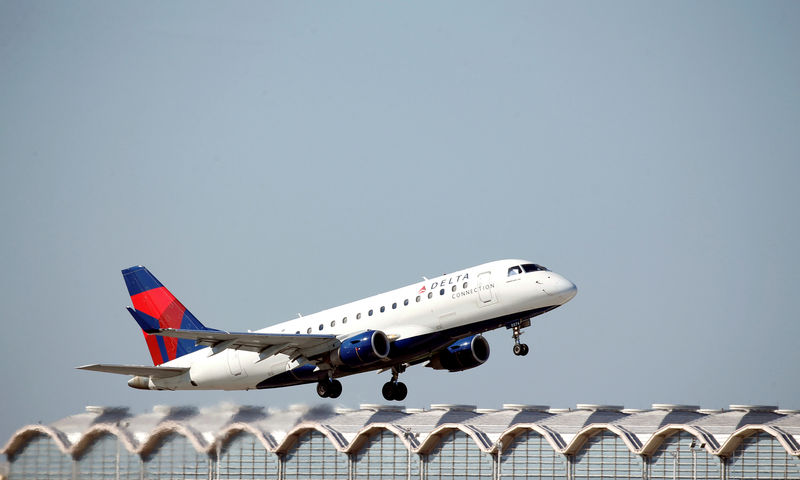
(394, 391)
(388, 391)
(400, 391)
(336, 389)
(520, 349)
(323, 388)
(329, 388)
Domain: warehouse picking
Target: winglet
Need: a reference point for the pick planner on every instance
(145, 321)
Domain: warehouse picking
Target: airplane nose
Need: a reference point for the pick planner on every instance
(561, 288)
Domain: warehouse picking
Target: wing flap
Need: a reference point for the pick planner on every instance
(142, 370)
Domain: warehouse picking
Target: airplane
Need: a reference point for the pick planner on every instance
(439, 321)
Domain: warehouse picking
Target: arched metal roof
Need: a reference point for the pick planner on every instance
(22, 436)
(480, 438)
(566, 430)
(630, 440)
(707, 441)
(362, 437)
(789, 442)
(227, 435)
(552, 437)
(166, 429)
(334, 436)
(97, 431)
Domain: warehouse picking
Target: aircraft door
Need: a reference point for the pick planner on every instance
(485, 287)
(234, 362)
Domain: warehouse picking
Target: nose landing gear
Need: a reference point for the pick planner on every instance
(520, 349)
(394, 390)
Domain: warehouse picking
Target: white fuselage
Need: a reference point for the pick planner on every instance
(454, 305)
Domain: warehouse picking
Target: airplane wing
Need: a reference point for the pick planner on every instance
(155, 372)
(266, 344)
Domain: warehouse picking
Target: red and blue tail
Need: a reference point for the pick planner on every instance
(155, 307)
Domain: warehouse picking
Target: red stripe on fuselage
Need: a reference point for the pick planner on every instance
(159, 303)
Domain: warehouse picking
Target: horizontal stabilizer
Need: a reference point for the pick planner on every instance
(142, 370)
(147, 323)
(150, 324)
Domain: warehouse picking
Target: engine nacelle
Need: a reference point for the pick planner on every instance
(464, 354)
(362, 349)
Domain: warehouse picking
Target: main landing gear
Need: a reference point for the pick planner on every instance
(394, 390)
(520, 349)
(329, 388)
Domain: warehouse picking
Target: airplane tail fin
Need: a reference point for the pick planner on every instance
(155, 307)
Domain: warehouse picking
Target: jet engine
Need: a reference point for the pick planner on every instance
(464, 354)
(362, 349)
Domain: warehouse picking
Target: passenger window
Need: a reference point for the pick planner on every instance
(441, 292)
(297, 332)
(430, 294)
(464, 286)
(514, 271)
(358, 316)
(405, 302)
(333, 322)
(394, 305)
(344, 320)
(309, 330)
(321, 326)
(383, 309)
(418, 298)
(370, 312)
(454, 288)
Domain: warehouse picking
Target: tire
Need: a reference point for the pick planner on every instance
(323, 389)
(400, 391)
(388, 391)
(335, 389)
(525, 350)
(518, 349)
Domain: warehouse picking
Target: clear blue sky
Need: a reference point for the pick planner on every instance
(269, 158)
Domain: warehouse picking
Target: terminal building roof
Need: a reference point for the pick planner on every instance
(420, 429)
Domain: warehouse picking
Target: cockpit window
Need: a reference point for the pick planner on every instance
(514, 271)
(532, 267)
